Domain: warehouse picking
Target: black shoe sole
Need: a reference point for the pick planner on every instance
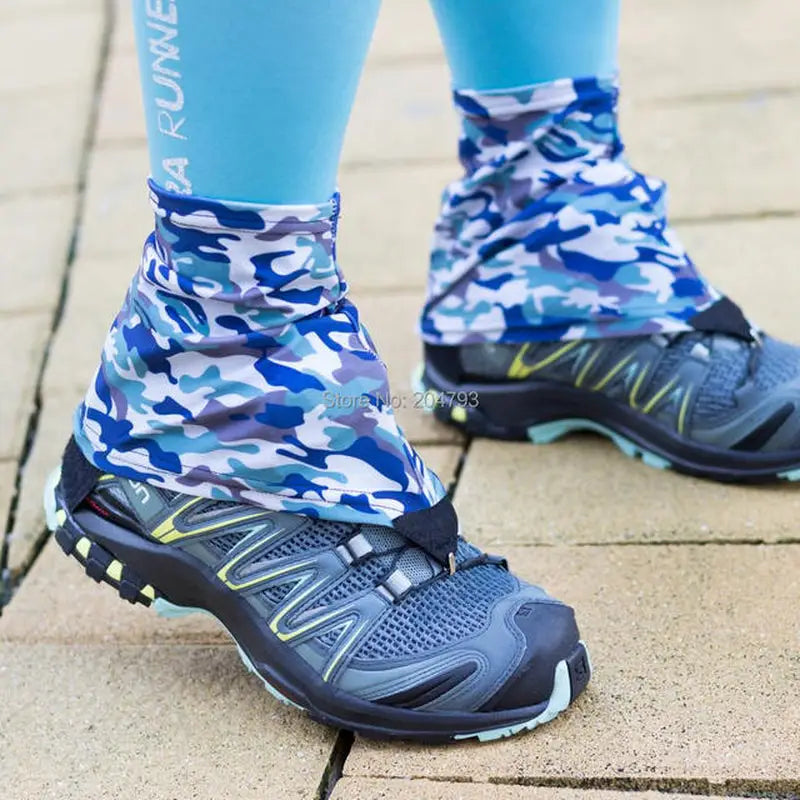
(543, 411)
(152, 574)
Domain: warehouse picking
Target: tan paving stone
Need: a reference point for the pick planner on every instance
(753, 261)
(35, 232)
(402, 113)
(95, 613)
(97, 287)
(28, 333)
(406, 31)
(696, 676)
(162, 722)
(583, 490)
(442, 459)
(691, 147)
(8, 472)
(42, 149)
(685, 48)
(421, 789)
(122, 36)
(117, 216)
(388, 214)
(71, 39)
(23, 8)
(391, 321)
(55, 425)
(121, 112)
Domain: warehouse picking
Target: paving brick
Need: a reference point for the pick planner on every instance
(36, 231)
(8, 472)
(696, 676)
(583, 490)
(28, 333)
(71, 39)
(165, 722)
(121, 112)
(95, 613)
(25, 8)
(391, 321)
(387, 224)
(402, 114)
(442, 459)
(42, 149)
(691, 146)
(754, 262)
(55, 424)
(96, 289)
(421, 789)
(117, 216)
(406, 31)
(122, 36)
(701, 49)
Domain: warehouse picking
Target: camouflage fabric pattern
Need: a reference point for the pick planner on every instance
(237, 369)
(551, 235)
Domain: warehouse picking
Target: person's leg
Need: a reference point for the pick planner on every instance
(205, 76)
(521, 42)
(236, 349)
(554, 250)
(237, 451)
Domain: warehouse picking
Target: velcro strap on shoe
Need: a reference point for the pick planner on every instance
(724, 316)
(434, 529)
(78, 476)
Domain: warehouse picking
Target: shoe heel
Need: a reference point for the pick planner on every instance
(100, 565)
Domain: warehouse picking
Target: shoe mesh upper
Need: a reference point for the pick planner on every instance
(727, 372)
(779, 362)
(358, 578)
(443, 612)
(316, 535)
(226, 542)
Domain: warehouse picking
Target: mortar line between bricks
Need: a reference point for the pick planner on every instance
(32, 427)
(333, 769)
(779, 788)
(786, 542)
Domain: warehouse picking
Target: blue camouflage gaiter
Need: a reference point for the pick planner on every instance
(551, 235)
(237, 369)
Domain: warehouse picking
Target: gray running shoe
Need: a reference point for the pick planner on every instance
(708, 404)
(357, 624)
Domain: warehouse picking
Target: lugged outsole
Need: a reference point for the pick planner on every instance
(473, 422)
(102, 566)
(549, 432)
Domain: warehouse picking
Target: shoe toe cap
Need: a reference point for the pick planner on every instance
(551, 635)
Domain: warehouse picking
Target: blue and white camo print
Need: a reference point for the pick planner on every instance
(237, 369)
(551, 235)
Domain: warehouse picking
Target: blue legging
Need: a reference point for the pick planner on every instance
(250, 100)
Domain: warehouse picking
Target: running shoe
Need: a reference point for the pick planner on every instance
(705, 403)
(356, 624)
